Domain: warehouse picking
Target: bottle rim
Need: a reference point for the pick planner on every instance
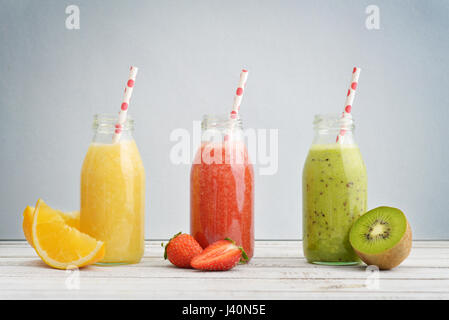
(331, 121)
(220, 121)
(107, 122)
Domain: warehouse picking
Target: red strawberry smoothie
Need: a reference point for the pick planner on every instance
(222, 195)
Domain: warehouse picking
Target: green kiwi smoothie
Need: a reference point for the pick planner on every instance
(334, 196)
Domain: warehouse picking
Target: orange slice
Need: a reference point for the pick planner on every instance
(70, 218)
(60, 245)
(28, 214)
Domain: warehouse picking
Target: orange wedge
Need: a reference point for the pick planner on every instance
(60, 245)
(28, 214)
(70, 218)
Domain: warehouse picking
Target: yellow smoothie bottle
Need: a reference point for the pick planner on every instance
(113, 192)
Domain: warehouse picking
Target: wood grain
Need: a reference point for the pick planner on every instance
(277, 271)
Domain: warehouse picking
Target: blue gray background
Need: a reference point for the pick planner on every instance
(300, 55)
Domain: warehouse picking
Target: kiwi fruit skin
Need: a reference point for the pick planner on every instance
(392, 257)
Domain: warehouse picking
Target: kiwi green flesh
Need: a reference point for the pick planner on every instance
(378, 230)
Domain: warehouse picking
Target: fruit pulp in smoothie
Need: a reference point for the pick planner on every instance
(334, 196)
(222, 195)
(113, 200)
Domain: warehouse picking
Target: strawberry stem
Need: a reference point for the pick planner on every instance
(229, 239)
(244, 259)
(162, 244)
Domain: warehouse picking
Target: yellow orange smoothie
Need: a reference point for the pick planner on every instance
(113, 199)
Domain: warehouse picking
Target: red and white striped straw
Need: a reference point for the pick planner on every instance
(239, 94)
(349, 100)
(125, 104)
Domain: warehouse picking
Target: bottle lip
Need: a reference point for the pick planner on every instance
(107, 122)
(333, 121)
(223, 121)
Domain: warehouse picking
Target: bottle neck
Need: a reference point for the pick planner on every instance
(104, 127)
(328, 127)
(218, 128)
(330, 137)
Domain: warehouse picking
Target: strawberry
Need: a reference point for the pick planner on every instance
(219, 256)
(181, 249)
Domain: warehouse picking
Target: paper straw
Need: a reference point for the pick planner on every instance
(239, 94)
(125, 104)
(349, 100)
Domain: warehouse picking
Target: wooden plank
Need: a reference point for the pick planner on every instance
(263, 249)
(259, 269)
(260, 243)
(278, 271)
(249, 295)
(144, 288)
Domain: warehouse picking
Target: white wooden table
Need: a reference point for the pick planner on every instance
(277, 271)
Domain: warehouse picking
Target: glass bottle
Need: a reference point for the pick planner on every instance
(222, 185)
(334, 191)
(113, 192)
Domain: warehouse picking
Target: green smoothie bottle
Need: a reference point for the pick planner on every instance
(334, 192)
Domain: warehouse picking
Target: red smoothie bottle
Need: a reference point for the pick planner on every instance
(222, 186)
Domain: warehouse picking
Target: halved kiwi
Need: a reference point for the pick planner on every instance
(382, 237)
